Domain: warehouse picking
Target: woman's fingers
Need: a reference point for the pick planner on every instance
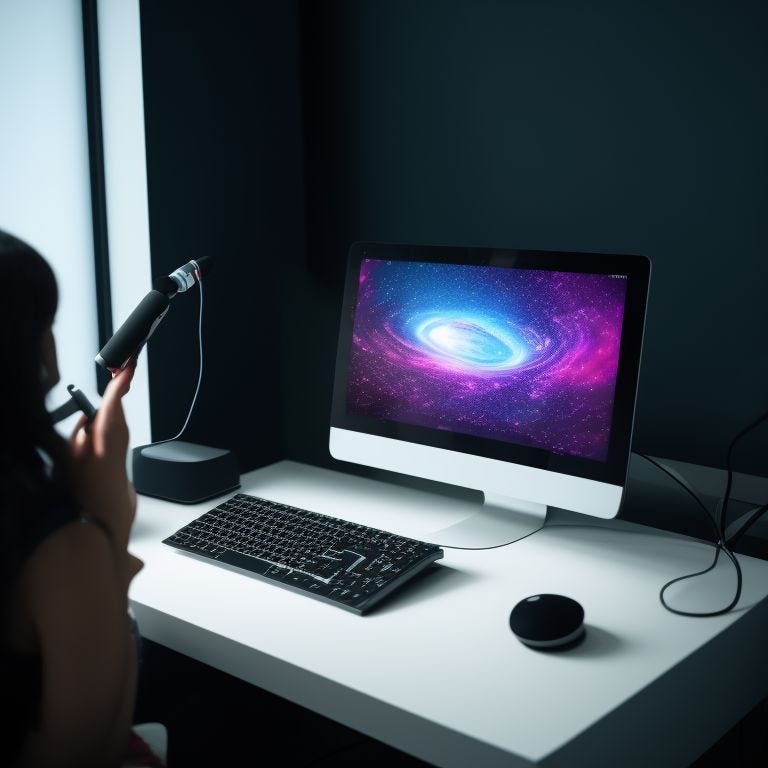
(118, 386)
(81, 422)
(79, 440)
(109, 414)
(121, 381)
(129, 369)
(110, 418)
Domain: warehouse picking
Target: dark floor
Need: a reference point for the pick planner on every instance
(744, 746)
(216, 720)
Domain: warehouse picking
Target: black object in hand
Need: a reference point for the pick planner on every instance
(77, 402)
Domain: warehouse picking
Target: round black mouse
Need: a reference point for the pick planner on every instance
(548, 621)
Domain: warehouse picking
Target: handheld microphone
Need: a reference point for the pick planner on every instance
(131, 336)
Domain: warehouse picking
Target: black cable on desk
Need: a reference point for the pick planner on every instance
(719, 545)
(719, 524)
(729, 467)
(686, 487)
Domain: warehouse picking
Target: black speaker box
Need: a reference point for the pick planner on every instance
(184, 472)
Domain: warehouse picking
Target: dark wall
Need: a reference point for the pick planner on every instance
(224, 164)
(638, 127)
(608, 126)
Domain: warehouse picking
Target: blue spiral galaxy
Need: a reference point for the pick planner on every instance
(472, 342)
(518, 355)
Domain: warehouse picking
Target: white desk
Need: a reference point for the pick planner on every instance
(436, 671)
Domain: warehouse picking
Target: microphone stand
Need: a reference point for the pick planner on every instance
(175, 470)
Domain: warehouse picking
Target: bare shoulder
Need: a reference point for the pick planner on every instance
(76, 605)
(77, 545)
(72, 569)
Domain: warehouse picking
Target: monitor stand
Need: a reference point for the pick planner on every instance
(501, 520)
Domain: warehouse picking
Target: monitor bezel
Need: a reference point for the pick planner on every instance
(637, 269)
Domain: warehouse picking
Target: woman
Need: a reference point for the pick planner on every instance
(67, 654)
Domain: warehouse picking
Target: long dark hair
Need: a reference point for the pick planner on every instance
(27, 309)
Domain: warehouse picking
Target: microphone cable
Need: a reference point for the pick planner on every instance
(200, 366)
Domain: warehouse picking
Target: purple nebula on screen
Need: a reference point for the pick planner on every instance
(518, 355)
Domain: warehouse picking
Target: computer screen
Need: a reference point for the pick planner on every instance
(525, 358)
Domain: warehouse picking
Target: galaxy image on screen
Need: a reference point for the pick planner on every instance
(524, 356)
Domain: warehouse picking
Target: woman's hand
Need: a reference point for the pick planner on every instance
(99, 457)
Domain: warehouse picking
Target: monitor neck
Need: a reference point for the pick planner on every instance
(501, 520)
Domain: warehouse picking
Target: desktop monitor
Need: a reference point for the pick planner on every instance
(513, 372)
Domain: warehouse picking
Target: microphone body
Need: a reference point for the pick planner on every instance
(131, 336)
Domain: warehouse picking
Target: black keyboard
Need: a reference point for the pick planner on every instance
(349, 565)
